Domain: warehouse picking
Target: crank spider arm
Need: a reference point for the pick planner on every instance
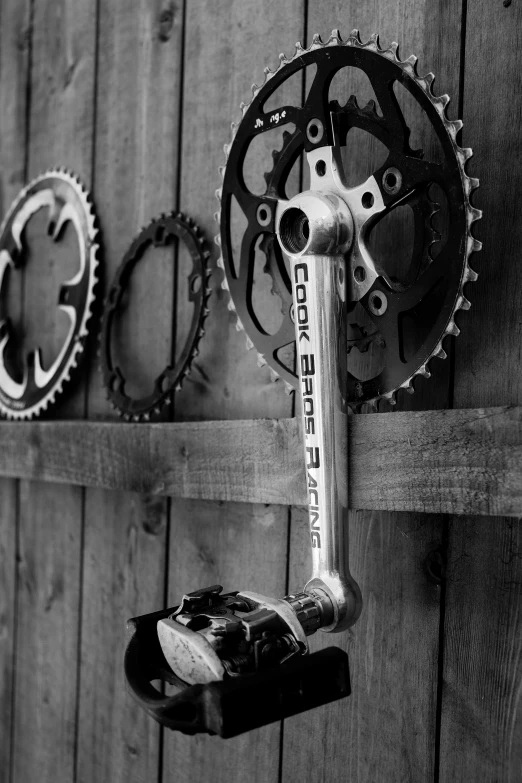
(315, 230)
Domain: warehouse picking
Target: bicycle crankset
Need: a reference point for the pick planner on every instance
(403, 320)
(241, 657)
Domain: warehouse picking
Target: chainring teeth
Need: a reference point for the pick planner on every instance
(92, 248)
(163, 400)
(462, 155)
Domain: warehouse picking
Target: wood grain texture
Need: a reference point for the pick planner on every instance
(225, 52)
(59, 132)
(8, 529)
(240, 546)
(124, 563)
(15, 36)
(455, 461)
(481, 730)
(385, 731)
(47, 636)
(388, 722)
(139, 60)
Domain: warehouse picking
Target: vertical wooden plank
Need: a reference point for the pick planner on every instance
(60, 125)
(386, 729)
(239, 546)
(481, 731)
(15, 34)
(125, 535)
(124, 561)
(48, 609)
(15, 37)
(8, 510)
(225, 52)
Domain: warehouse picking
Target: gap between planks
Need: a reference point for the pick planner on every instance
(452, 461)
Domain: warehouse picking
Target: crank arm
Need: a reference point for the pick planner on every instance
(315, 230)
(240, 659)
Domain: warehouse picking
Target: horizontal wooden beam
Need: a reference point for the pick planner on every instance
(456, 461)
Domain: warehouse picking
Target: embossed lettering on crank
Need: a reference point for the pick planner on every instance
(307, 372)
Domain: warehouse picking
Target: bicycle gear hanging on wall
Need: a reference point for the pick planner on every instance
(159, 233)
(238, 658)
(406, 320)
(66, 199)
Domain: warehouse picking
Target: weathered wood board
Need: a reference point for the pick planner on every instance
(8, 530)
(481, 720)
(135, 176)
(450, 461)
(59, 132)
(14, 71)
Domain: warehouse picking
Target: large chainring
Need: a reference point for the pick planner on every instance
(420, 308)
(61, 194)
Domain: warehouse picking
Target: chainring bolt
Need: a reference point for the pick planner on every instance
(377, 303)
(264, 215)
(315, 131)
(392, 181)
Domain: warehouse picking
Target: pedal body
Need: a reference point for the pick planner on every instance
(238, 702)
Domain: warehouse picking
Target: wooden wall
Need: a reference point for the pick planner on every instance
(137, 96)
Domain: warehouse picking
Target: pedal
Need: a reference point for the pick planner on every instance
(243, 668)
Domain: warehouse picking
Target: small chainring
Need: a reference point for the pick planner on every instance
(159, 233)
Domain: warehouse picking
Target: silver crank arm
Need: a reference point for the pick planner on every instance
(315, 230)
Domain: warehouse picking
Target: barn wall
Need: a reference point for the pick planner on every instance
(136, 97)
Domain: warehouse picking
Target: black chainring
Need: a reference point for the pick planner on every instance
(420, 309)
(159, 233)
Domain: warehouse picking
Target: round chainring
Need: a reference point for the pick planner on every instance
(160, 232)
(419, 309)
(66, 200)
